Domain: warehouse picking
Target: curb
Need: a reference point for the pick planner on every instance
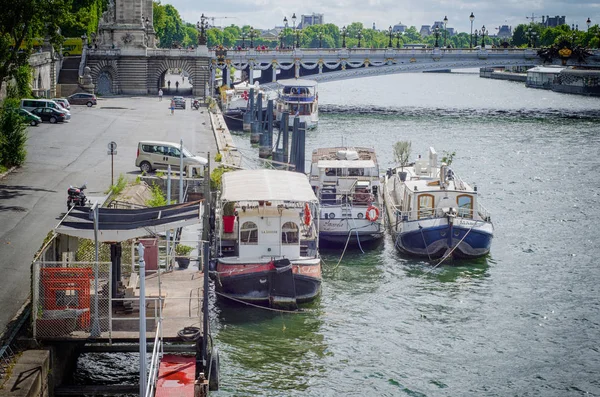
(7, 172)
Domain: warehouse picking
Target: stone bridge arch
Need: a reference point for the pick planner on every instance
(158, 69)
(105, 76)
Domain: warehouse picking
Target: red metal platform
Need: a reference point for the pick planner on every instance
(176, 376)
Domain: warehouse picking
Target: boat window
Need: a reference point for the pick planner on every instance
(249, 233)
(426, 203)
(289, 233)
(465, 205)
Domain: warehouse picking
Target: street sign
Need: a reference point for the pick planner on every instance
(112, 152)
(112, 147)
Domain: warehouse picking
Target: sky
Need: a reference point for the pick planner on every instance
(264, 14)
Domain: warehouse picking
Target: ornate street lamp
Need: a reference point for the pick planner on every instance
(390, 34)
(398, 34)
(359, 35)
(281, 40)
(471, 18)
(436, 32)
(476, 32)
(530, 34)
(252, 36)
(344, 37)
(201, 26)
(588, 23)
(244, 35)
(445, 31)
(533, 37)
(294, 23)
(320, 39)
(483, 33)
(285, 24)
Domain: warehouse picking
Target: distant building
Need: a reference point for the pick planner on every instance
(425, 30)
(399, 28)
(310, 20)
(450, 31)
(504, 31)
(553, 21)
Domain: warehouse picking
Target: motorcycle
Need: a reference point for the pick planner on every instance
(196, 104)
(76, 196)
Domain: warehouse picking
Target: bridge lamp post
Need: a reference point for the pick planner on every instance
(298, 31)
(252, 36)
(320, 39)
(445, 30)
(294, 23)
(436, 32)
(483, 33)
(281, 40)
(285, 24)
(390, 34)
(398, 34)
(244, 35)
(359, 35)
(588, 23)
(471, 18)
(476, 32)
(344, 37)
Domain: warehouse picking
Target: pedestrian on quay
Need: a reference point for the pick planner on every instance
(172, 107)
(169, 85)
(160, 94)
(177, 86)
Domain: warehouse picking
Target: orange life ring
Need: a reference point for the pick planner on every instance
(368, 213)
(307, 214)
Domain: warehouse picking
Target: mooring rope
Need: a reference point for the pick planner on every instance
(448, 254)
(346, 246)
(298, 311)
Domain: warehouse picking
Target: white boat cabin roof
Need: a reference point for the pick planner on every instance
(297, 83)
(272, 185)
(346, 164)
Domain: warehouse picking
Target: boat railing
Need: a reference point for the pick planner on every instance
(157, 354)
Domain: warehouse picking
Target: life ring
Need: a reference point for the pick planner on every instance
(307, 214)
(368, 213)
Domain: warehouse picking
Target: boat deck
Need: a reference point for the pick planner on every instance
(176, 376)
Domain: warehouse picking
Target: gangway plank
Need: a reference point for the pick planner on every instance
(176, 376)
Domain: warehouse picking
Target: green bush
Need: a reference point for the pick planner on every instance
(158, 197)
(13, 135)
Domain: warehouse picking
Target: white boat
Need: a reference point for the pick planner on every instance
(268, 253)
(299, 98)
(433, 213)
(346, 182)
(236, 103)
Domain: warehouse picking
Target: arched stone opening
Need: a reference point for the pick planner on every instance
(174, 77)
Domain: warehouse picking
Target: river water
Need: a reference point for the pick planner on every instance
(523, 321)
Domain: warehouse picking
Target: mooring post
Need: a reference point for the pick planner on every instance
(256, 128)
(285, 120)
(294, 151)
(249, 115)
(300, 144)
(266, 138)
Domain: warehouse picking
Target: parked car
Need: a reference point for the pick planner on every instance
(179, 102)
(82, 98)
(29, 117)
(153, 155)
(64, 102)
(31, 104)
(50, 114)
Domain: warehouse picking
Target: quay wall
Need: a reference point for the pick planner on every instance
(501, 75)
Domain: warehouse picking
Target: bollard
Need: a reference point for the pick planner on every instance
(266, 138)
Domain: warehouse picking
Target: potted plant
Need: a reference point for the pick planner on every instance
(401, 155)
(228, 216)
(182, 253)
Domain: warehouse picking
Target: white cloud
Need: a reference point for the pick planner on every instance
(268, 13)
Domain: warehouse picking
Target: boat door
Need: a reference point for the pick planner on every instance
(269, 236)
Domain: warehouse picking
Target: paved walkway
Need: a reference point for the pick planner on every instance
(33, 198)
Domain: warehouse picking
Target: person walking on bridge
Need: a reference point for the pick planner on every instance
(160, 94)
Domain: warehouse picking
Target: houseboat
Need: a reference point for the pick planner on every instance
(346, 182)
(432, 213)
(268, 241)
(298, 98)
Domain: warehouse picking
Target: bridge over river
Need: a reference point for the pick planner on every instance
(347, 63)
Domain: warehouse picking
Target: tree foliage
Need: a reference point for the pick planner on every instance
(13, 134)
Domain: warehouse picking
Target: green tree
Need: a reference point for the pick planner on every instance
(13, 134)
(23, 20)
(168, 25)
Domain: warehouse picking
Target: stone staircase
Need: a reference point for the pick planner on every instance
(68, 78)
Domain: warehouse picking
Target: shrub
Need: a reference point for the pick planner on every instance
(158, 197)
(13, 135)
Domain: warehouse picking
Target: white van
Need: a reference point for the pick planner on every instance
(153, 155)
(30, 104)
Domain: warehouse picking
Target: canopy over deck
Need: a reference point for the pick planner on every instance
(297, 83)
(272, 185)
(116, 225)
(346, 164)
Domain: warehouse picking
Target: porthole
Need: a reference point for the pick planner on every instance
(331, 215)
(360, 215)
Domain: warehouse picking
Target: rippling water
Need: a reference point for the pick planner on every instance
(523, 321)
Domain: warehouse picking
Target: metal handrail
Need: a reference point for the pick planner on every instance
(157, 353)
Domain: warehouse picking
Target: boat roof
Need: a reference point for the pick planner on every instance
(275, 185)
(331, 153)
(346, 164)
(298, 83)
